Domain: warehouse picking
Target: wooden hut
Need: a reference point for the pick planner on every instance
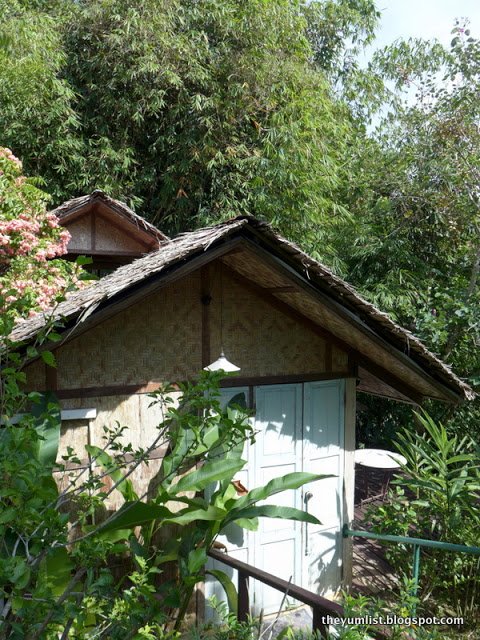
(107, 231)
(305, 342)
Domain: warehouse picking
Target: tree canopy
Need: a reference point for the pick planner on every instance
(190, 111)
(195, 111)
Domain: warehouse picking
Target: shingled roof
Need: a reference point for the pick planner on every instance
(183, 249)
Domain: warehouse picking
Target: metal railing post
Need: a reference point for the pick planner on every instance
(415, 574)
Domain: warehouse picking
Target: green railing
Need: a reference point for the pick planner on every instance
(417, 544)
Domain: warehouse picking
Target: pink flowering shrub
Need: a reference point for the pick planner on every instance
(31, 240)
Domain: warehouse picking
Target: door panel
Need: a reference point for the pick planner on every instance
(323, 454)
(323, 561)
(277, 452)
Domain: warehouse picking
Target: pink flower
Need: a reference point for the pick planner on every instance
(41, 255)
(65, 236)
(52, 220)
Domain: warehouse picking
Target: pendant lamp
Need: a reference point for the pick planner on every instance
(222, 363)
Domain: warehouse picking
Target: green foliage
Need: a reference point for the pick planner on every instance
(410, 184)
(60, 543)
(413, 247)
(207, 109)
(337, 31)
(373, 610)
(225, 627)
(404, 605)
(192, 111)
(36, 115)
(437, 498)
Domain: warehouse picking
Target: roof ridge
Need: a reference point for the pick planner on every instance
(74, 204)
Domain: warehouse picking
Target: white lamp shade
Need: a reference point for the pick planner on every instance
(222, 364)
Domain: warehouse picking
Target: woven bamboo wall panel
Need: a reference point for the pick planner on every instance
(81, 232)
(74, 434)
(348, 333)
(110, 238)
(143, 479)
(157, 339)
(339, 359)
(133, 411)
(144, 482)
(252, 267)
(130, 411)
(258, 337)
(35, 373)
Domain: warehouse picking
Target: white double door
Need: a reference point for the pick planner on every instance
(299, 427)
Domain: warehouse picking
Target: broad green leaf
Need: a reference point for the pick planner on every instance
(196, 559)
(8, 514)
(272, 511)
(133, 514)
(57, 569)
(137, 548)
(251, 524)
(49, 358)
(138, 513)
(283, 483)
(168, 557)
(20, 575)
(186, 517)
(210, 472)
(115, 536)
(47, 424)
(228, 587)
(210, 436)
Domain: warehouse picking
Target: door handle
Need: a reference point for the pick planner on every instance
(306, 499)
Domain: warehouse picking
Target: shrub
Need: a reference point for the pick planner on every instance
(438, 499)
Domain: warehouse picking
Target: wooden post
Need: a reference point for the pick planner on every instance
(243, 603)
(206, 299)
(349, 476)
(318, 624)
(51, 378)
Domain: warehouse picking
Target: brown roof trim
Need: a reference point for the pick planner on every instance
(184, 247)
(71, 208)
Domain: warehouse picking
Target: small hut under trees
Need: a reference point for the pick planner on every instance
(303, 339)
(107, 231)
